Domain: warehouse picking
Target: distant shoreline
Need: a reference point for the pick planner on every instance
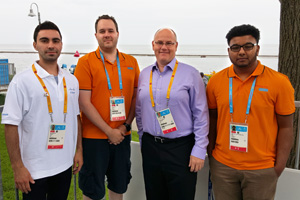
(140, 54)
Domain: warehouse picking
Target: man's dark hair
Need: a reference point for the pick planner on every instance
(107, 17)
(242, 30)
(47, 25)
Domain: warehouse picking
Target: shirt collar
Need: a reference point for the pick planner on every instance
(170, 65)
(121, 57)
(42, 73)
(258, 70)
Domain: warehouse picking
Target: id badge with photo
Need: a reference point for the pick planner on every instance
(56, 136)
(238, 137)
(166, 121)
(117, 109)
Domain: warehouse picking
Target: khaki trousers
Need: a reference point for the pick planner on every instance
(233, 184)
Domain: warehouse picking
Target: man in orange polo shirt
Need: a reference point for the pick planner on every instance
(251, 122)
(108, 81)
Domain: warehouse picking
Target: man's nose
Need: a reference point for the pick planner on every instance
(164, 45)
(106, 34)
(50, 45)
(242, 51)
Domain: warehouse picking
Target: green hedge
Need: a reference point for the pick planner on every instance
(2, 98)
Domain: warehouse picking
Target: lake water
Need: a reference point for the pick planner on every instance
(205, 58)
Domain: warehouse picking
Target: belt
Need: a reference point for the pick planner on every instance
(163, 140)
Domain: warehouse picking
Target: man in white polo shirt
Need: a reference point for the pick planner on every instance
(42, 123)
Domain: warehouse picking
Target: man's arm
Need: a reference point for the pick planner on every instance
(78, 159)
(285, 139)
(21, 174)
(131, 114)
(115, 136)
(212, 135)
(200, 114)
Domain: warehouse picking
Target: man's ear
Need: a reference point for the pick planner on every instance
(34, 45)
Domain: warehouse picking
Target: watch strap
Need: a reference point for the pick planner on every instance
(128, 127)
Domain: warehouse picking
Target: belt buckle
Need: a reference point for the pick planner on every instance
(159, 139)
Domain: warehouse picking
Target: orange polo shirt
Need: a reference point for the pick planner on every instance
(273, 94)
(91, 75)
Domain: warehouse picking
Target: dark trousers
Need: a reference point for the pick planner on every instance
(51, 188)
(167, 175)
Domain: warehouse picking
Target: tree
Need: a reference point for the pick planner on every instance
(289, 53)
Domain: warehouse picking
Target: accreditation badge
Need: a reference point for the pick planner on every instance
(56, 136)
(117, 109)
(166, 121)
(238, 137)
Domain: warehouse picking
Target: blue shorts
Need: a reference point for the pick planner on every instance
(103, 159)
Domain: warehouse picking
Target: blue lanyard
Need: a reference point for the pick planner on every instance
(107, 75)
(249, 99)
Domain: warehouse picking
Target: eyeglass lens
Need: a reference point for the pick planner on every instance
(246, 47)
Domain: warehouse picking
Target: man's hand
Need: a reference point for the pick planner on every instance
(278, 169)
(22, 179)
(78, 161)
(22, 176)
(123, 129)
(195, 164)
(115, 136)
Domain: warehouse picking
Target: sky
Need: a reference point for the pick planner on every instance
(194, 21)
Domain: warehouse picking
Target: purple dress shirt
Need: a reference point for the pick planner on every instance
(187, 103)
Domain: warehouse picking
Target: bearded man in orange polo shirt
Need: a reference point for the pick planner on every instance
(251, 122)
(108, 81)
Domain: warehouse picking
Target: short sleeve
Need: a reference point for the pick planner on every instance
(210, 94)
(285, 102)
(13, 108)
(137, 73)
(83, 74)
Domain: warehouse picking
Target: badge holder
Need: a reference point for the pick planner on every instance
(238, 137)
(166, 121)
(164, 117)
(238, 132)
(56, 136)
(117, 108)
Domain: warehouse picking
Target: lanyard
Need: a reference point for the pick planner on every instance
(249, 99)
(107, 75)
(169, 88)
(48, 95)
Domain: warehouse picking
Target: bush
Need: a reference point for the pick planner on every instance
(2, 98)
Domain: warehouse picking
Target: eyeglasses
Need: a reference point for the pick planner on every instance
(247, 47)
(161, 43)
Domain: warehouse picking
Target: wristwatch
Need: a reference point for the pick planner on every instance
(128, 127)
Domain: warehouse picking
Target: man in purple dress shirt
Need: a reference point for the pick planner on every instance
(172, 119)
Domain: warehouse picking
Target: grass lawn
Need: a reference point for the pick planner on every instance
(7, 174)
(2, 98)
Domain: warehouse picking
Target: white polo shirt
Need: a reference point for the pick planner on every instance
(26, 107)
